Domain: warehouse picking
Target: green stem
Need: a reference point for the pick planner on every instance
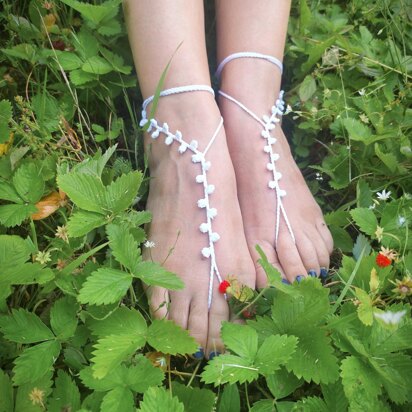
(34, 234)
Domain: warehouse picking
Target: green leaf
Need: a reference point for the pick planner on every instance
(276, 350)
(282, 383)
(82, 222)
(63, 317)
(14, 251)
(104, 286)
(7, 192)
(79, 78)
(159, 400)
(95, 165)
(264, 405)
(358, 131)
(241, 339)
(167, 337)
(365, 219)
(23, 51)
(66, 395)
(121, 321)
(13, 215)
(307, 88)
(97, 65)
(388, 159)
(312, 404)
(111, 350)
(360, 383)
(335, 397)
(118, 400)
(141, 376)
(122, 192)
(152, 273)
(365, 308)
(362, 242)
(229, 369)
(35, 362)
(86, 191)
(230, 400)
(5, 117)
(23, 401)
(124, 248)
(305, 16)
(24, 327)
(28, 182)
(68, 60)
(194, 399)
(6, 393)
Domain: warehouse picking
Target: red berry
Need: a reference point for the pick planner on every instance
(58, 45)
(223, 286)
(382, 260)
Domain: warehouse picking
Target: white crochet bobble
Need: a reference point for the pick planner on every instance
(265, 134)
(272, 140)
(202, 203)
(266, 149)
(206, 252)
(194, 144)
(210, 189)
(198, 157)
(155, 134)
(272, 184)
(211, 213)
(270, 166)
(282, 192)
(178, 136)
(274, 157)
(143, 122)
(214, 237)
(200, 178)
(204, 227)
(206, 166)
(182, 148)
(169, 139)
(278, 175)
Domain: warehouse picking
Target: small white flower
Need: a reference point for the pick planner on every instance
(362, 92)
(288, 109)
(43, 257)
(407, 196)
(384, 195)
(401, 220)
(372, 206)
(318, 176)
(149, 244)
(390, 318)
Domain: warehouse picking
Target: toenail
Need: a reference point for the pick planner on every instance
(199, 354)
(323, 272)
(285, 281)
(299, 278)
(213, 354)
(312, 273)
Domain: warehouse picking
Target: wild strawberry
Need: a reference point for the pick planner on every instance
(382, 260)
(223, 286)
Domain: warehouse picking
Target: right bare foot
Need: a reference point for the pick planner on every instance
(173, 200)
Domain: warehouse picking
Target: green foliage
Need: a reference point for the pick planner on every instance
(75, 328)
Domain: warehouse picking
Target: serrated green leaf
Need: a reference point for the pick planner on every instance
(229, 369)
(363, 194)
(7, 192)
(388, 159)
(167, 337)
(365, 309)
(79, 78)
(14, 251)
(307, 88)
(82, 222)
(264, 405)
(86, 191)
(335, 397)
(121, 321)
(241, 339)
(97, 65)
(151, 273)
(392, 340)
(6, 393)
(230, 399)
(23, 326)
(68, 60)
(28, 182)
(5, 117)
(104, 286)
(121, 193)
(66, 395)
(111, 350)
(275, 351)
(159, 400)
(136, 218)
(23, 51)
(194, 399)
(13, 215)
(124, 248)
(63, 317)
(365, 219)
(35, 362)
(362, 242)
(23, 401)
(358, 131)
(118, 400)
(95, 165)
(312, 404)
(282, 383)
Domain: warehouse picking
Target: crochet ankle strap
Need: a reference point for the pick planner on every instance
(155, 129)
(252, 55)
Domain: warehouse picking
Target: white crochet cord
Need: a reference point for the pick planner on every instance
(268, 123)
(155, 129)
(251, 55)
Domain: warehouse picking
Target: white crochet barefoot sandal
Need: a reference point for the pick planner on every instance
(268, 123)
(154, 128)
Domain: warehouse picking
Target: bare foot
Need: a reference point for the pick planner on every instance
(309, 253)
(173, 198)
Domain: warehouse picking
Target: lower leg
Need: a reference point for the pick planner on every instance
(156, 29)
(261, 27)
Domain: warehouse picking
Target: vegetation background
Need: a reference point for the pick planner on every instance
(75, 333)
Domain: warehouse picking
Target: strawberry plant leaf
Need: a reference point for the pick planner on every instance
(82, 222)
(66, 395)
(151, 273)
(230, 399)
(95, 165)
(14, 251)
(5, 117)
(121, 193)
(365, 219)
(143, 375)
(276, 350)
(229, 369)
(23, 326)
(7, 192)
(194, 399)
(241, 339)
(35, 362)
(63, 317)
(6, 393)
(358, 131)
(167, 337)
(111, 350)
(13, 215)
(97, 65)
(159, 400)
(104, 286)
(41, 386)
(118, 400)
(282, 383)
(28, 182)
(86, 191)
